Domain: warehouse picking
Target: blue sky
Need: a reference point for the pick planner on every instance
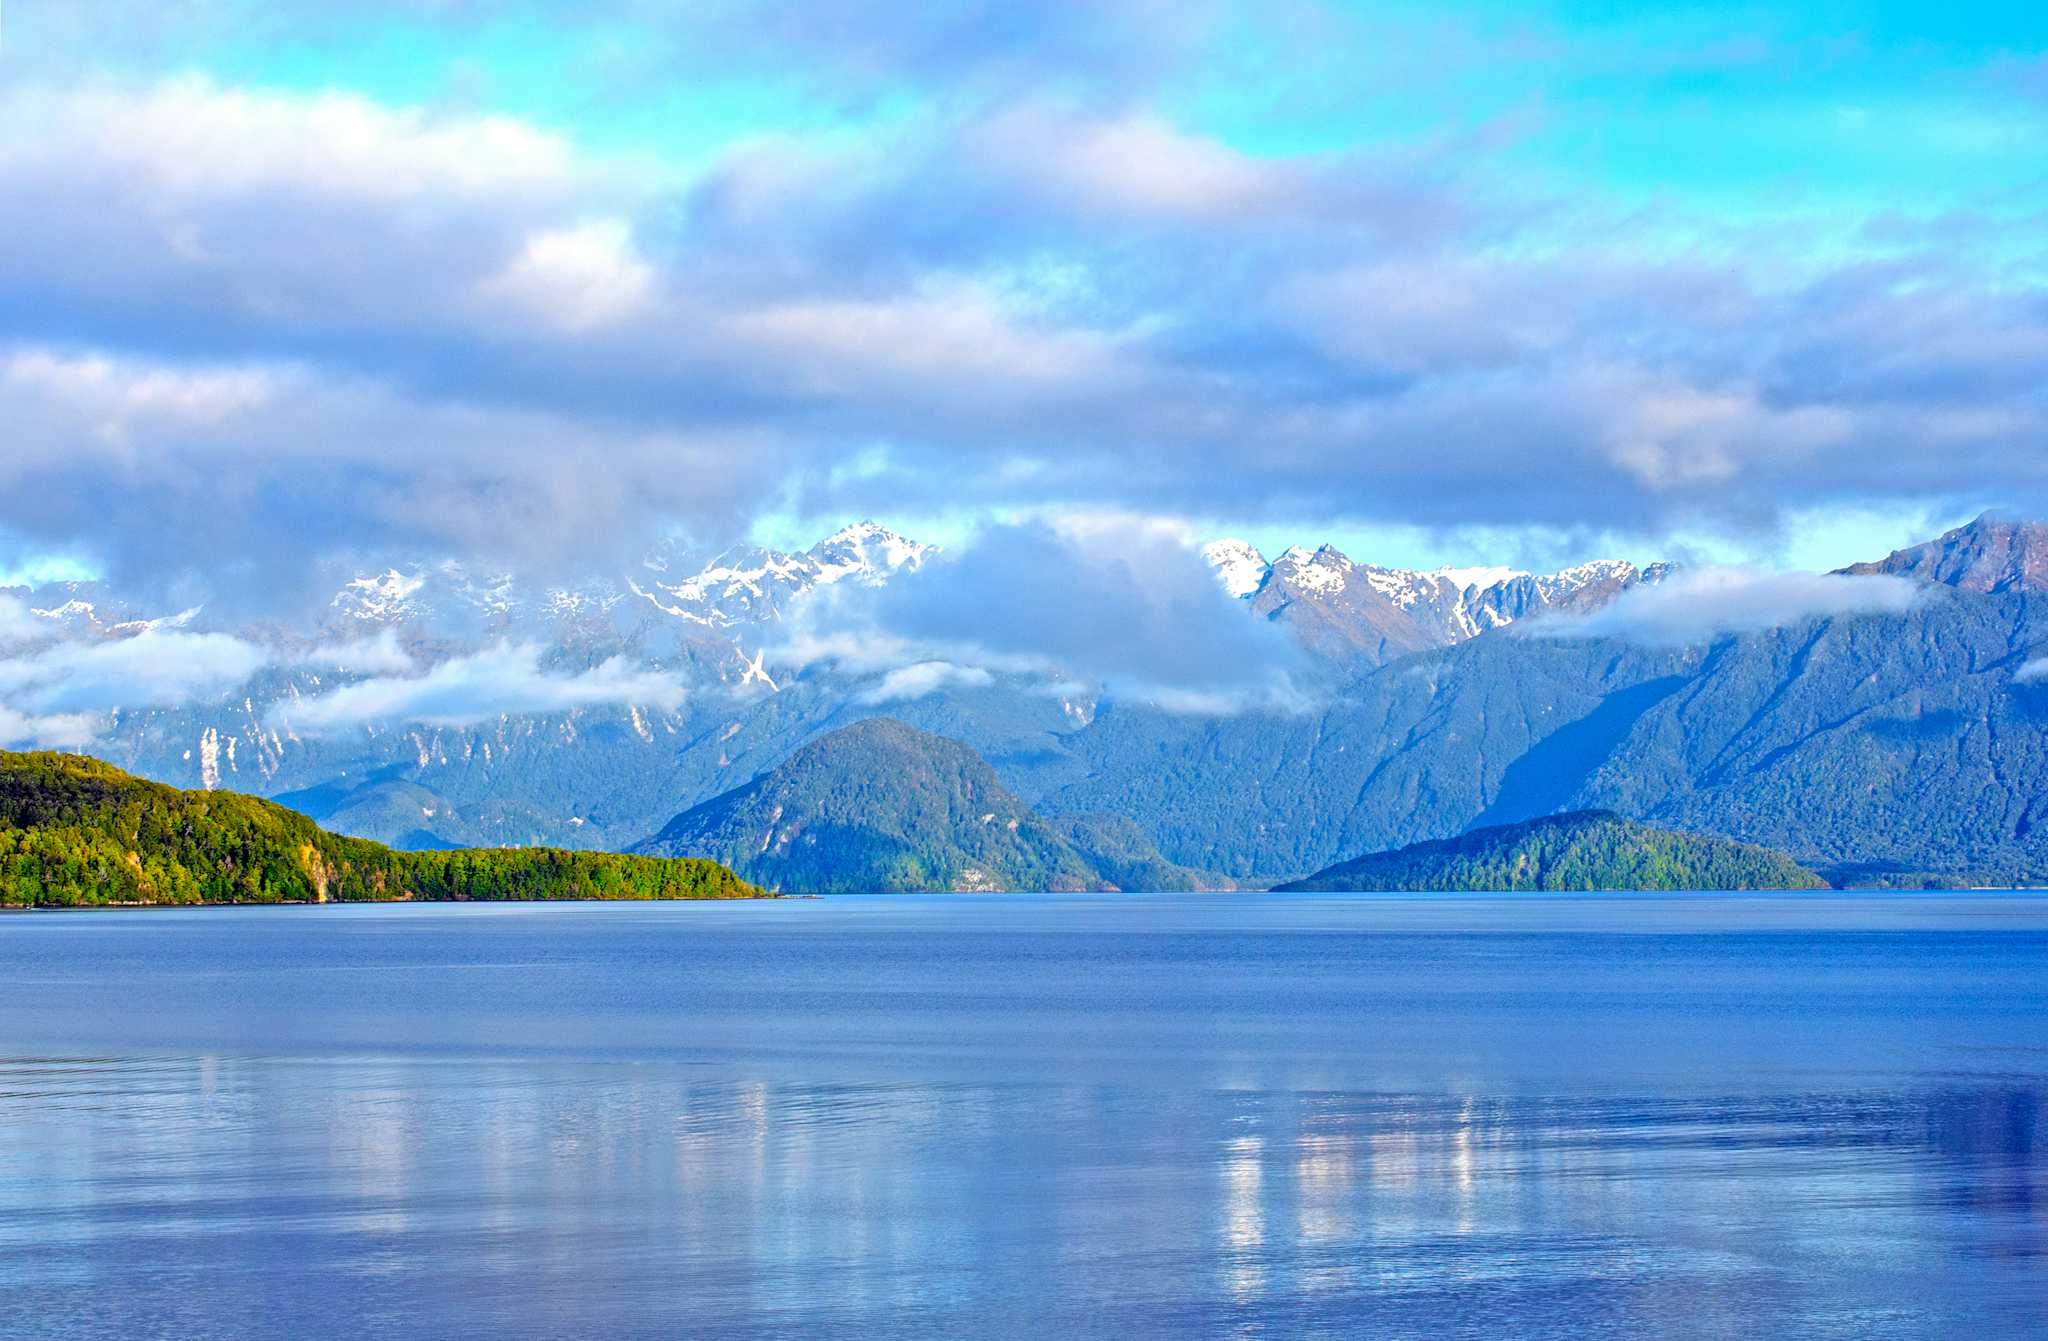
(1526, 281)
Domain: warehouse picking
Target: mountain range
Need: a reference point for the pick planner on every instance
(1898, 745)
(1362, 613)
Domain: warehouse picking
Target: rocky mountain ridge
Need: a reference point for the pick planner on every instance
(1349, 610)
(1991, 554)
(745, 585)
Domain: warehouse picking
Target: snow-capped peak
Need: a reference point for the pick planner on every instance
(180, 620)
(1327, 570)
(1577, 578)
(752, 584)
(865, 549)
(73, 609)
(382, 597)
(1239, 566)
(1467, 579)
(1436, 607)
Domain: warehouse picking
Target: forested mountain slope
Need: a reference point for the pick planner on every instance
(1583, 850)
(74, 830)
(879, 806)
(1914, 742)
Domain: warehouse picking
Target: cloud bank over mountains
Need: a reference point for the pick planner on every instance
(63, 686)
(1133, 613)
(506, 680)
(58, 688)
(1005, 262)
(1697, 605)
(1097, 608)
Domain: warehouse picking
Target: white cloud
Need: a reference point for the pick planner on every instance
(1137, 162)
(2033, 672)
(17, 624)
(925, 677)
(154, 464)
(191, 138)
(1696, 604)
(53, 731)
(946, 331)
(116, 391)
(1124, 604)
(505, 680)
(380, 654)
(576, 279)
(154, 668)
(61, 681)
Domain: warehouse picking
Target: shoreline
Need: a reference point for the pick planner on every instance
(135, 906)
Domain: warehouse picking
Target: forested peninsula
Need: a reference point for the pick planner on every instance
(1583, 850)
(78, 832)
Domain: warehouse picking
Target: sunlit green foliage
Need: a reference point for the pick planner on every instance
(78, 831)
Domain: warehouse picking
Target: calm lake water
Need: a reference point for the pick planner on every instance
(1061, 1116)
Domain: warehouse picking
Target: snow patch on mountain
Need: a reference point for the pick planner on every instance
(1402, 586)
(1468, 578)
(1600, 571)
(1395, 608)
(1238, 566)
(1326, 571)
(865, 551)
(752, 585)
(379, 599)
(745, 585)
(81, 611)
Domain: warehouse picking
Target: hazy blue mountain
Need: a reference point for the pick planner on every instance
(1582, 850)
(1421, 748)
(880, 806)
(1913, 741)
(1123, 854)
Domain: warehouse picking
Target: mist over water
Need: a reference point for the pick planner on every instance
(1088, 1115)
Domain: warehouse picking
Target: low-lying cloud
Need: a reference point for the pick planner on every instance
(925, 677)
(50, 731)
(155, 668)
(59, 685)
(1132, 611)
(62, 686)
(1695, 605)
(379, 654)
(508, 680)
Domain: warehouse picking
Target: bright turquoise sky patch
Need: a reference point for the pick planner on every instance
(608, 84)
(1742, 116)
(1747, 116)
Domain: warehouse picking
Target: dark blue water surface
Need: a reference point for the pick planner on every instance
(1082, 1116)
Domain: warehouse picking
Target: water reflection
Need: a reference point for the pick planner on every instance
(982, 1118)
(488, 1198)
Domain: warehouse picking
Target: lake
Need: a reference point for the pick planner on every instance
(1046, 1116)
